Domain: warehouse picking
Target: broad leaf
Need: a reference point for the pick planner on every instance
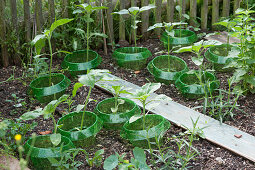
(39, 42)
(139, 155)
(55, 139)
(111, 162)
(148, 7)
(157, 25)
(59, 23)
(99, 34)
(134, 10)
(75, 88)
(32, 114)
(197, 60)
(122, 12)
(79, 107)
(134, 118)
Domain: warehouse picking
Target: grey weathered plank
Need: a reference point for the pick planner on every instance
(222, 37)
(220, 134)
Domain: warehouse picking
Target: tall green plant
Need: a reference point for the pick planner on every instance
(90, 79)
(87, 10)
(39, 40)
(170, 33)
(134, 12)
(47, 112)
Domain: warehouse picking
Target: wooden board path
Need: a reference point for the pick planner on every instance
(220, 134)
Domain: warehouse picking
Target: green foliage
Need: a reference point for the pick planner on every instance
(137, 162)
(96, 160)
(9, 128)
(67, 160)
(47, 112)
(134, 12)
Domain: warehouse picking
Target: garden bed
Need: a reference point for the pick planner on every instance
(211, 156)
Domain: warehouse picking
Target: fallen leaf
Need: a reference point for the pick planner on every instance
(137, 72)
(45, 132)
(238, 136)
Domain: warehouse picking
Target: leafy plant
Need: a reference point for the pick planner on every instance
(185, 152)
(47, 112)
(17, 102)
(90, 79)
(117, 91)
(170, 33)
(142, 95)
(88, 9)
(134, 12)
(137, 162)
(96, 160)
(39, 40)
(182, 16)
(67, 160)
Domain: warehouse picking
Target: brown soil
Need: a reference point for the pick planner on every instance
(211, 156)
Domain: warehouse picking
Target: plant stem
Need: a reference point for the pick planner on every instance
(88, 16)
(54, 122)
(134, 30)
(144, 114)
(168, 48)
(51, 58)
(85, 107)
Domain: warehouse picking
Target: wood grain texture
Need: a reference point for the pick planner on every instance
(204, 15)
(193, 12)
(158, 10)
(122, 34)
(4, 51)
(220, 134)
(215, 13)
(170, 10)
(226, 8)
(27, 20)
(145, 20)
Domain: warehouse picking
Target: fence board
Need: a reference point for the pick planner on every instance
(145, 20)
(27, 20)
(4, 51)
(204, 15)
(215, 12)
(122, 22)
(193, 12)
(38, 15)
(220, 134)
(158, 9)
(170, 10)
(226, 8)
(236, 4)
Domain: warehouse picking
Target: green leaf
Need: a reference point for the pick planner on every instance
(178, 8)
(157, 25)
(59, 23)
(148, 7)
(99, 34)
(55, 139)
(32, 114)
(197, 60)
(139, 154)
(75, 88)
(134, 118)
(122, 12)
(99, 152)
(39, 42)
(77, 11)
(49, 109)
(111, 162)
(134, 10)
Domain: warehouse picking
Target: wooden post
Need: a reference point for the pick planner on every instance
(170, 10)
(226, 8)
(193, 12)
(65, 4)
(204, 15)
(145, 20)
(215, 12)
(15, 57)
(110, 22)
(158, 4)
(122, 34)
(27, 20)
(236, 4)
(52, 10)
(131, 36)
(38, 15)
(4, 51)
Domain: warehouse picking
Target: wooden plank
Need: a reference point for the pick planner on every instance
(170, 10)
(145, 20)
(4, 48)
(236, 4)
(158, 9)
(222, 37)
(38, 16)
(204, 15)
(220, 134)
(215, 13)
(122, 34)
(27, 20)
(109, 20)
(226, 8)
(193, 12)
(65, 4)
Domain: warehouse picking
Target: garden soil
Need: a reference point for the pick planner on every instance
(211, 156)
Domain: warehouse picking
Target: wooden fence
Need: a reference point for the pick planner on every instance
(33, 21)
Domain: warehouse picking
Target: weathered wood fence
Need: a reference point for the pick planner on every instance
(33, 19)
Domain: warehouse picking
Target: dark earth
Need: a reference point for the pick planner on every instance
(211, 156)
